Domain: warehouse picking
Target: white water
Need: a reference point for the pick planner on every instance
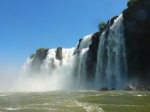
(111, 66)
(86, 41)
(54, 74)
(80, 62)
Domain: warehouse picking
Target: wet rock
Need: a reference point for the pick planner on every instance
(112, 20)
(143, 87)
(38, 59)
(77, 48)
(59, 53)
(93, 48)
(79, 43)
(32, 56)
(130, 87)
(103, 89)
(41, 53)
(136, 27)
(113, 89)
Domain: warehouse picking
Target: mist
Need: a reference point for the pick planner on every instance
(14, 80)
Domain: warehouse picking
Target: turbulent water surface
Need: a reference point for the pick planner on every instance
(75, 101)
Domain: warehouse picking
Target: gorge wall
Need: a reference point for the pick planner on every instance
(137, 36)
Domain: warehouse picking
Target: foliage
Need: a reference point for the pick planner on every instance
(41, 53)
(132, 5)
(132, 2)
(102, 26)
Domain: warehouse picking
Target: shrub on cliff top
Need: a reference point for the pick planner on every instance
(132, 2)
(133, 6)
(102, 26)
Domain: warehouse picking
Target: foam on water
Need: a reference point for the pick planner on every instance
(12, 109)
(89, 107)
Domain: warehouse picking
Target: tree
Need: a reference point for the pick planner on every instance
(102, 26)
(132, 2)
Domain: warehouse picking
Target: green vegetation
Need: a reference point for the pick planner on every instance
(41, 53)
(102, 26)
(132, 2)
(132, 6)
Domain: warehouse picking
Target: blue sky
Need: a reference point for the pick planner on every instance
(26, 25)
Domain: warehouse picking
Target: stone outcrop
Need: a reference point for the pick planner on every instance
(38, 59)
(32, 56)
(112, 20)
(137, 37)
(59, 53)
(104, 89)
(93, 48)
(143, 87)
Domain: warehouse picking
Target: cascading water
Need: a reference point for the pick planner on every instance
(111, 68)
(26, 69)
(70, 68)
(86, 41)
(80, 62)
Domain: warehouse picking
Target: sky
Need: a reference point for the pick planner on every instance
(27, 25)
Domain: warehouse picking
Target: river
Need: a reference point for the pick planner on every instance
(75, 101)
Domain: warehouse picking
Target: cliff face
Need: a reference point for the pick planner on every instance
(137, 36)
(38, 58)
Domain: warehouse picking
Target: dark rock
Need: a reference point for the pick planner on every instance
(113, 89)
(93, 48)
(104, 89)
(38, 59)
(77, 50)
(137, 39)
(59, 53)
(79, 43)
(128, 88)
(41, 53)
(109, 24)
(32, 56)
(143, 87)
(112, 20)
(92, 56)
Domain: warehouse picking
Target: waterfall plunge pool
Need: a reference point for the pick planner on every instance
(75, 101)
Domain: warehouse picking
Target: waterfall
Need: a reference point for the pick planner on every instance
(111, 67)
(80, 62)
(74, 68)
(26, 68)
(83, 43)
(86, 41)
